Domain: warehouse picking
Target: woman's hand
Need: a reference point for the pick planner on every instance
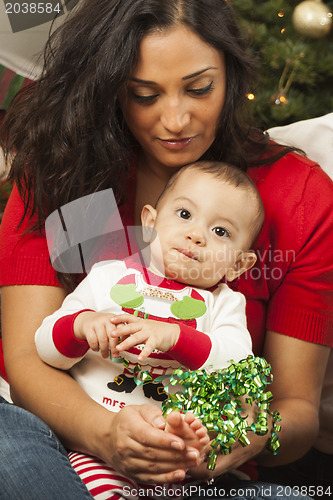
(139, 447)
(227, 463)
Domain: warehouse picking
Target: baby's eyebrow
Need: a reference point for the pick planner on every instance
(231, 223)
(184, 198)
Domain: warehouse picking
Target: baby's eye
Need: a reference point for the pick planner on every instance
(221, 231)
(183, 213)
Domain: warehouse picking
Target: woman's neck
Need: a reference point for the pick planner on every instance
(151, 180)
(155, 170)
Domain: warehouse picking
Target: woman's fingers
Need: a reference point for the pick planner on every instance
(153, 472)
(144, 450)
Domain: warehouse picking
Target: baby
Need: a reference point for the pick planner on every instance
(174, 310)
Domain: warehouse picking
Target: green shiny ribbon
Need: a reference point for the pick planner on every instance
(214, 397)
(140, 376)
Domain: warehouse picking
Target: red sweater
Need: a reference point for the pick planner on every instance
(290, 289)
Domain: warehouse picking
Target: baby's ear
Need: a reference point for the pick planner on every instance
(148, 216)
(244, 262)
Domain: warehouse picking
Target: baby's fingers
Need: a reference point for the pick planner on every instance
(124, 318)
(131, 341)
(98, 341)
(123, 330)
(113, 342)
(146, 351)
(92, 340)
(103, 341)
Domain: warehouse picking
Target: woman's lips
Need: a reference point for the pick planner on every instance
(176, 144)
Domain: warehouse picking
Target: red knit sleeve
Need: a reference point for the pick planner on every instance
(302, 306)
(24, 257)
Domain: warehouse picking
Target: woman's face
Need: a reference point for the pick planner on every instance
(174, 98)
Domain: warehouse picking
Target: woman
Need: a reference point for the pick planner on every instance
(132, 91)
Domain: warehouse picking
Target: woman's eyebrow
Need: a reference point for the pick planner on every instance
(198, 73)
(144, 82)
(187, 77)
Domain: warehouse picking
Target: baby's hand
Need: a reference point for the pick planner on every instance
(134, 331)
(95, 328)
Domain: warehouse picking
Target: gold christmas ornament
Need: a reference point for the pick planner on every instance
(312, 18)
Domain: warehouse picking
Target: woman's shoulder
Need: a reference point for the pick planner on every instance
(290, 284)
(15, 223)
(24, 255)
(291, 166)
(14, 210)
(291, 182)
(298, 200)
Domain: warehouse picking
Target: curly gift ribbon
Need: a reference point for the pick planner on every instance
(213, 396)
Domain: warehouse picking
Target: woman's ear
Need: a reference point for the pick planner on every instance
(148, 217)
(244, 262)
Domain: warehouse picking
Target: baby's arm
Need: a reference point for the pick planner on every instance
(65, 336)
(227, 339)
(134, 331)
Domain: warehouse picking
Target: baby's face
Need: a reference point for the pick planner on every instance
(203, 226)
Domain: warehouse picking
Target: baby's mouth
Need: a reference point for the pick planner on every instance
(189, 254)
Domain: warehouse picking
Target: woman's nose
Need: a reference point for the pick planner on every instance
(175, 117)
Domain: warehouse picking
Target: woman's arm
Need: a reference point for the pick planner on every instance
(133, 439)
(298, 369)
(49, 393)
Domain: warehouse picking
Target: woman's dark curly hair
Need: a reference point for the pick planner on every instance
(67, 129)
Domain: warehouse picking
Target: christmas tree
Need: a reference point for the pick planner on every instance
(292, 40)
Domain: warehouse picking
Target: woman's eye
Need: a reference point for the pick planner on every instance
(202, 91)
(221, 231)
(183, 213)
(144, 99)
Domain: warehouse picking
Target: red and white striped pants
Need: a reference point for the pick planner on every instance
(105, 483)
